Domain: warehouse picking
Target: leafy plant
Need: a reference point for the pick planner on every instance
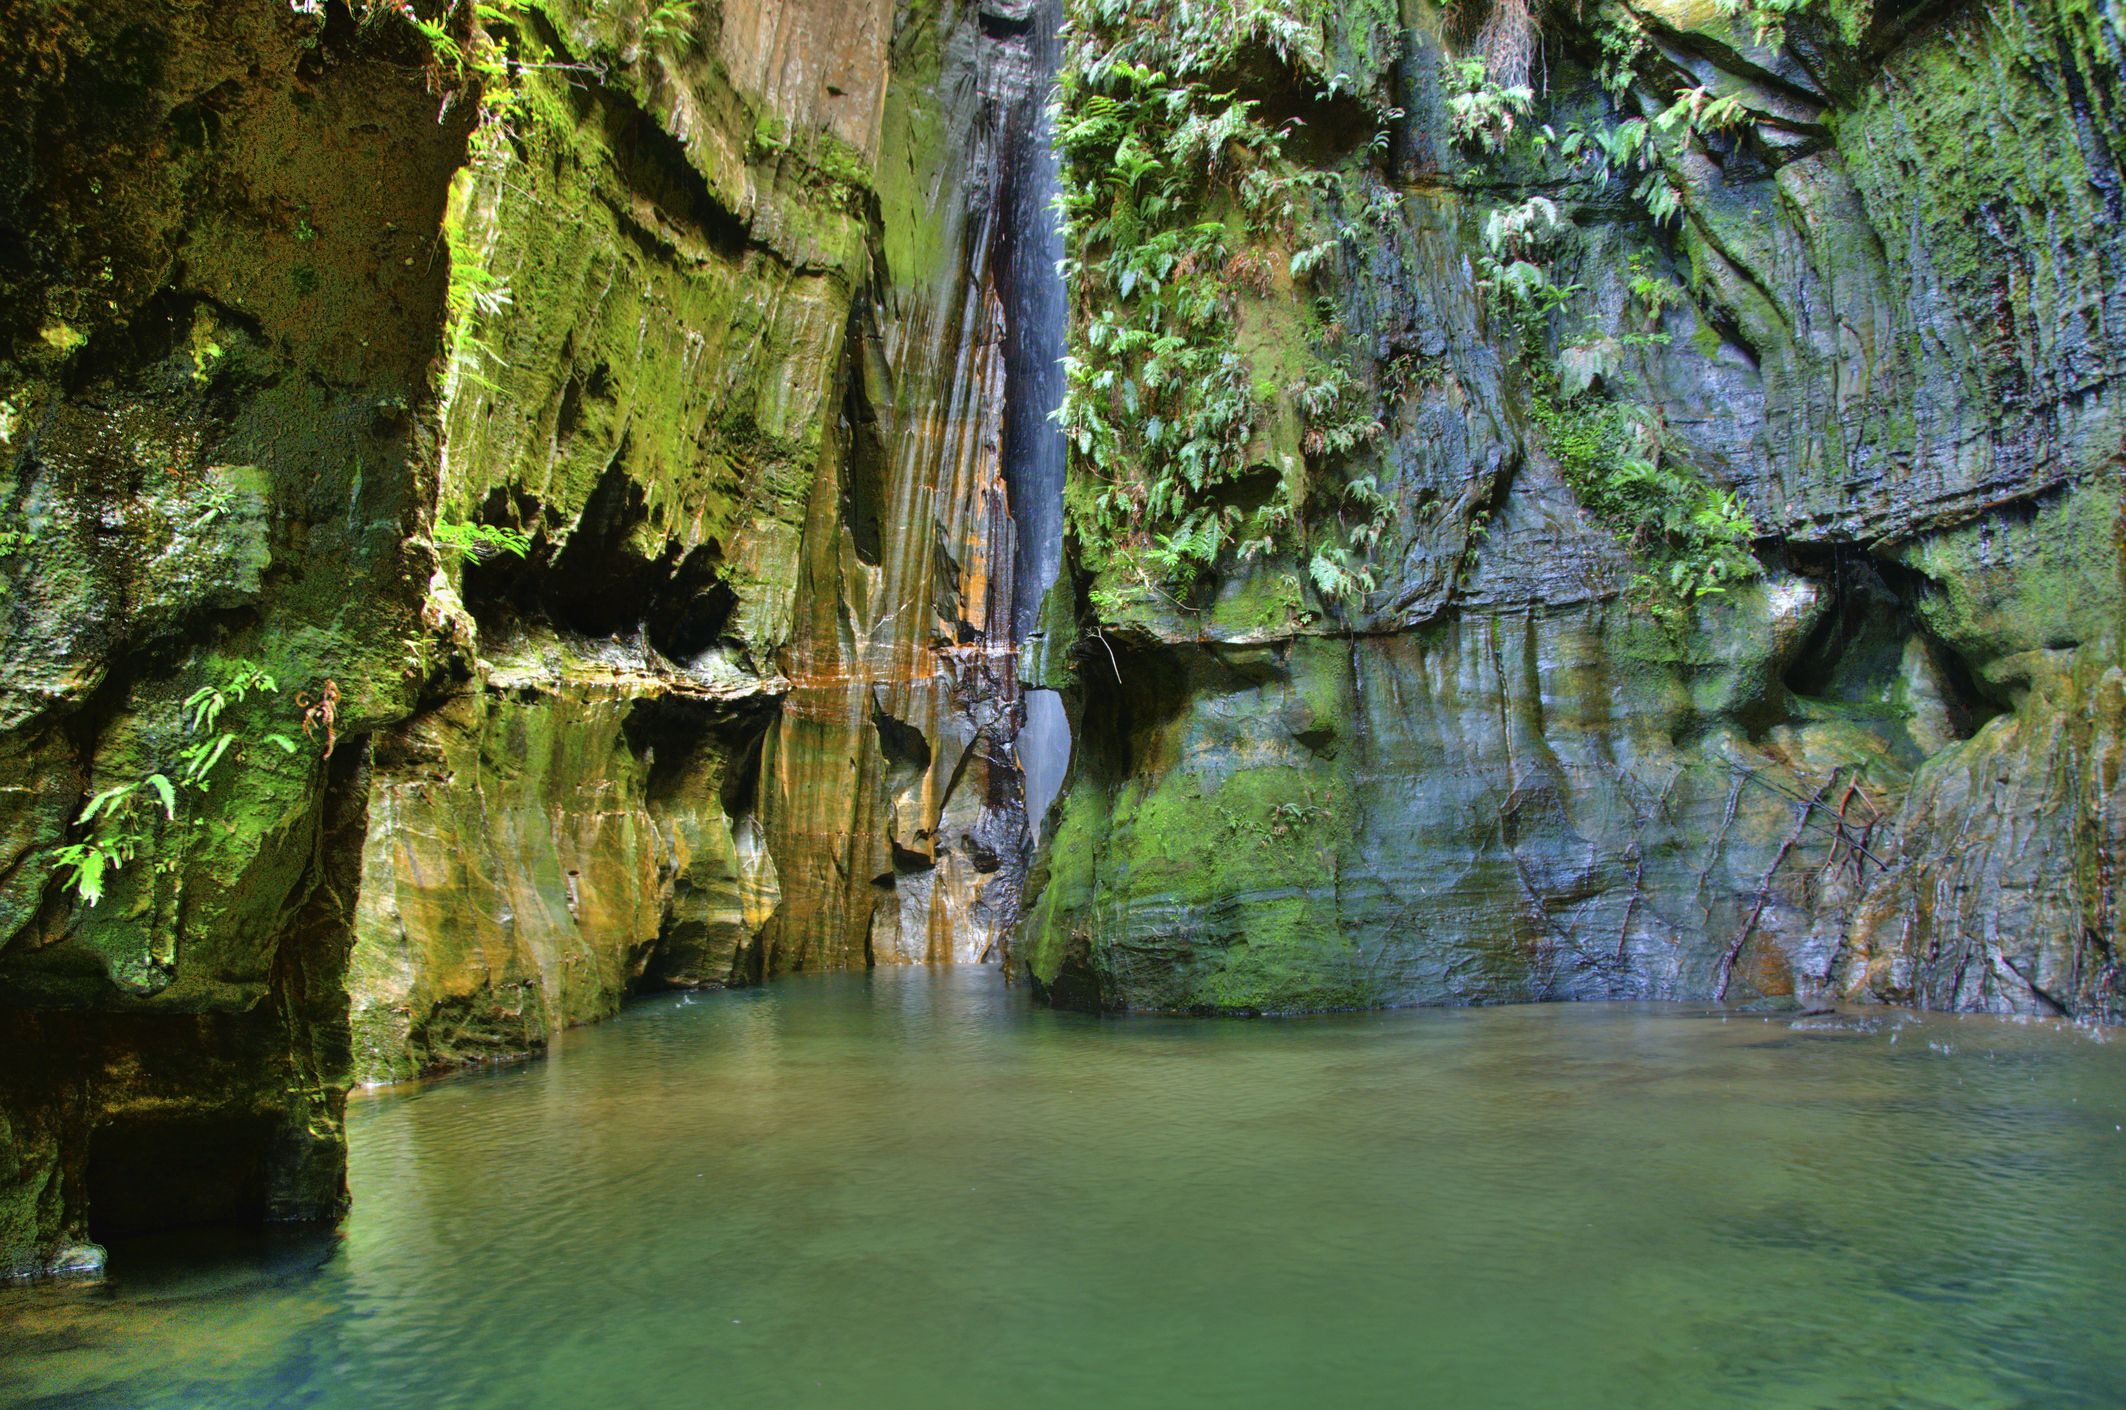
(1182, 217)
(82, 866)
(220, 500)
(1768, 19)
(12, 542)
(1516, 238)
(1695, 536)
(1339, 574)
(476, 543)
(670, 19)
(114, 819)
(1481, 112)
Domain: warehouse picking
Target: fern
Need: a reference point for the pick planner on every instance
(475, 543)
(110, 818)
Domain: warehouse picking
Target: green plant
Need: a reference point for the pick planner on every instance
(1516, 239)
(82, 866)
(475, 543)
(671, 19)
(1289, 816)
(220, 501)
(474, 292)
(1694, 536)
(1180, 209)
(435, 34)
(1158, 407)
(1340, 574)
(206, 352)
(1768, 19)
(1652, 293)
(113, 817)
(12, 542)
(1480, 111)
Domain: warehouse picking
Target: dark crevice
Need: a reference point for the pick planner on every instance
(653, 164)
(868, 468)
(902, 745)
(692, 611)
(597, 584)
(1853, 663)
(175, 1171)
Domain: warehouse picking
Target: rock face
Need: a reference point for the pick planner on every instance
(513, 509)
(221, 306)
(1877, 297)
(541, 847)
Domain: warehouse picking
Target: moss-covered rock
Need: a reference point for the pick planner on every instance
(213, 362)
(492, 395)
(1867, 287)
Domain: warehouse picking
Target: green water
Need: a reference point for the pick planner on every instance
(916, 1189)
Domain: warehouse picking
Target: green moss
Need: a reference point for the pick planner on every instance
(839, 162)
(1290, 958)
(1246, 866)
(1064, 880)
(2033, 581)
(1269, 600)
(771, 138)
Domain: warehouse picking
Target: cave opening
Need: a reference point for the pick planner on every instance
(1871, 660)
(162, 1171)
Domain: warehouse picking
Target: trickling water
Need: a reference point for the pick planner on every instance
(1044, 752)
(915, 1189)
(1035, 310)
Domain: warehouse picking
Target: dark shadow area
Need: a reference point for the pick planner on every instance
(162, 1172)
(598, 584)
(868, 468)
(693, 610)
(220, 1259)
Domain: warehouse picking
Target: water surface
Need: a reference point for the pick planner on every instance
(915, 1189)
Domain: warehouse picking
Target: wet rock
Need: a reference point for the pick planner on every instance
(1884, 769)
(536, 850)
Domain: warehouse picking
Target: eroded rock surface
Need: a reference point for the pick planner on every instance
(498, 522)
(1887, 768)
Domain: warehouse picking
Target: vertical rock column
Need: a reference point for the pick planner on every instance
(891, 787)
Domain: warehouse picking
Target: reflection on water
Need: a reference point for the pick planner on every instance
(915, 1190)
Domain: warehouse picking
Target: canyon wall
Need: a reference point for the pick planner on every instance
(1854, 292)
(510, 506)
(549, 459)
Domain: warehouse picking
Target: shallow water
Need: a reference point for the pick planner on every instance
(915, 1189)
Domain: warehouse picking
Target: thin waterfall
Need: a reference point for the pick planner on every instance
(1035, 310)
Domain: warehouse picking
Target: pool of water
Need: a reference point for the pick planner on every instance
(916, 1189)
